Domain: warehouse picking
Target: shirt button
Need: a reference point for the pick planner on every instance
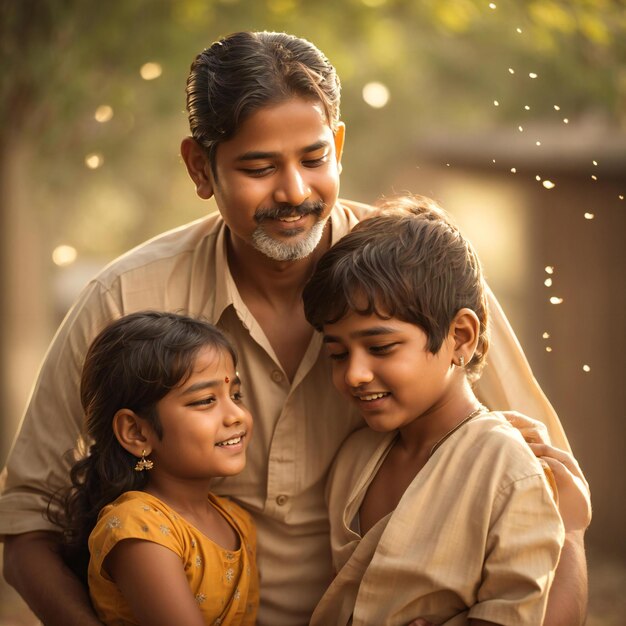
(281, 500)
(277, 376)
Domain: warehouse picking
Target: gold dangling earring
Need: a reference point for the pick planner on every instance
(461, 361)
(143, 463)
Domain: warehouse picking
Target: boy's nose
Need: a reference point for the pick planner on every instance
(292, 188)
(357, 373)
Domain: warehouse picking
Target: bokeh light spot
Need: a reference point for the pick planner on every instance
(376, 95)
(150, 71)
(64, 255)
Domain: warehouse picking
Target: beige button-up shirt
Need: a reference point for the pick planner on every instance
(299, 426)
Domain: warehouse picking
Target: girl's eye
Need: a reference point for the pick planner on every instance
(203, 402)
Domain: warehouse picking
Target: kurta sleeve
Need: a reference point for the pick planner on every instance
(522, 552)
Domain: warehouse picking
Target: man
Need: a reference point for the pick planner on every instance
(266, 144)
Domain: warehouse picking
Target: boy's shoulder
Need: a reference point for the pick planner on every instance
(489, 440)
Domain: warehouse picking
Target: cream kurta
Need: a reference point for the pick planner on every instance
(476, 529)
(299, 426)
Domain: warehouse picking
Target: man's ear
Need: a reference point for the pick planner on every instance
(465, 329)
(198, 166)
(132, 432)
(340, 136)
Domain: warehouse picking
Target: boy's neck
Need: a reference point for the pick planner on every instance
(425, 434)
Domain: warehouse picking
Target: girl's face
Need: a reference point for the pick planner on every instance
(385, 367)
(206, 426)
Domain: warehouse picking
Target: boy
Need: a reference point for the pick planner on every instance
(439, 509)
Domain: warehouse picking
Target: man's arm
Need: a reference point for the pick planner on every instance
(567, 602)
(33, 565)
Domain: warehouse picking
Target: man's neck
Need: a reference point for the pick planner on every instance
(278, 283)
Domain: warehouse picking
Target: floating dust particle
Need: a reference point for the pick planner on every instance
(589, 216)
(496, 103)
(513, 170)
(548, 282)
(532, 75)
(549, 269)
(556, 300)
(586, 368)
(548, 184)
(548, 349)
(546, 335)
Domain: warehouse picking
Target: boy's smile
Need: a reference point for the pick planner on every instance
(384, 365)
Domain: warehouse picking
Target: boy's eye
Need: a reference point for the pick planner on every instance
(237, 396)
(337, 356)
(382, 349)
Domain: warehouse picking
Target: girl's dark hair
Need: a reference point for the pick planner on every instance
(410, 262)
(246, 71)
(133, 363)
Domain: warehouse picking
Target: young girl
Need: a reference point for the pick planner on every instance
(439, 510)
(165, 415)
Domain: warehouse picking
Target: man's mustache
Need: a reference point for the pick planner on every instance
(281, 211)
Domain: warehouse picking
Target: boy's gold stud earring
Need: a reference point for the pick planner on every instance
(143, 463)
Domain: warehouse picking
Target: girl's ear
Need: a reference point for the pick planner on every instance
(132, 432)
(198, 166)
(465, 330)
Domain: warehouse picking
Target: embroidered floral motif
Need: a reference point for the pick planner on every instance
(198, 561)
(237, 594)
(193, 543)
(200, 598)
(145, 528)
(229, 556)
(164, 529)
(229, 574)
(114, 522)
(145, 507)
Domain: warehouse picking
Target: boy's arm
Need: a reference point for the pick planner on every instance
(33, 565)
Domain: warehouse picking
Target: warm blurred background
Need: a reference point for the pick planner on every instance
(512, 114)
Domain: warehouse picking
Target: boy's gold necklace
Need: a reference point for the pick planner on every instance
(474, 413)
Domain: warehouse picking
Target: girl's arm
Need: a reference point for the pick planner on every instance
(153, 582)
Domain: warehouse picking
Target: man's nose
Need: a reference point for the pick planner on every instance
(292, 188)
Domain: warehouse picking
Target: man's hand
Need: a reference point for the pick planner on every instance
(574, 498)
(33, 565)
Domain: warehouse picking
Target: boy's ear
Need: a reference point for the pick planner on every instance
(465, 329)
(198, 166)
(340, 136)
(132, 432)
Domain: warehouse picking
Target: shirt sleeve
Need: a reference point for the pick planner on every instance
(133, 519)
(39, 462)
(522, 552)
(507, 382)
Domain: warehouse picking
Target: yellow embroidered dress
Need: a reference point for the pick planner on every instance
(224, 582)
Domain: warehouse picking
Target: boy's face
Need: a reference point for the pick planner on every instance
(278, 178)
(206, 427)
(384, 366)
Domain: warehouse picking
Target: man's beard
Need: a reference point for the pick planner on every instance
(279, 250)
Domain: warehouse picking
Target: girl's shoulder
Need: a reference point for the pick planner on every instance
(233, 511)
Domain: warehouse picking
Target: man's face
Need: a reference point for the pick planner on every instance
(277, 179)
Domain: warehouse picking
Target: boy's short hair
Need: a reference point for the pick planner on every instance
(410, 262)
